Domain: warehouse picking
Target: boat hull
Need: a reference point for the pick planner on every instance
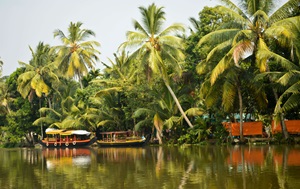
(74, 144)
(121, 144)
(128, 143)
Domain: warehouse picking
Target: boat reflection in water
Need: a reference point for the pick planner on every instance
(121, 155)
(57, 157)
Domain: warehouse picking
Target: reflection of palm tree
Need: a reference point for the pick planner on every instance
(281, 171)
(159, 163)
(158, 51)
(186, 174)
(76, 55)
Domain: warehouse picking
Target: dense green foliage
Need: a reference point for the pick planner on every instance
(236, 60)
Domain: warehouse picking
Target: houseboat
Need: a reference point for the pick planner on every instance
(121, 139)
(57, 138)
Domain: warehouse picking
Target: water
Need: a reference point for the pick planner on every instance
(208, 167)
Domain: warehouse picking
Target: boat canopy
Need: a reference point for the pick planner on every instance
(113, 132)
(50, 131)
(81, 132)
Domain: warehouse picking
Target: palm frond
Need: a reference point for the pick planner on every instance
(241, 50)
(142, 112)
(286, 78)
(174, 28)
(223, 65)
(43, 120)
(284, 11)
(229, 93)
(108, 91)
(169, 123)
(193, 112)
(218, 36)
(264, 55)
(234, 9)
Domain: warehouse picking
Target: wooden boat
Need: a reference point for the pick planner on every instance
(121, 139)
(56, 138)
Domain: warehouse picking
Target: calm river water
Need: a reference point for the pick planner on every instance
(208, 167)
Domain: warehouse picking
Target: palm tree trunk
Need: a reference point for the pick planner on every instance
(282, 123)
(241, 113)
(49, 102)
(40, 106)
(158, 135)
(8, 108)
(79, 79)
(178, 105)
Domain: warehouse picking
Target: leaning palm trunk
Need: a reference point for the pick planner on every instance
(178, 105)
(283, 127)
(158, 125)
(158, 135)
(40, 106)
(282, 123)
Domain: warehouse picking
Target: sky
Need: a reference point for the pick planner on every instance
(25, 23)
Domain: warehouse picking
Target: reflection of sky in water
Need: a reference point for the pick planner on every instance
(50, 165)
(81, 161)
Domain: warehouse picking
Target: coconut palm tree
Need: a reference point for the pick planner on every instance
(158, 50)
(160, 112)
(68, 116)
(76, 55)
(241, 38)
(39, 73)
(38, 76)
(286, 34)
(5, 98)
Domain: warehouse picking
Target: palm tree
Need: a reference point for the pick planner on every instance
(240, 39)
(5, 98)
(111, 111)
(38, 75)
(68, 116)
(76, 55)
(158, 52)
(161, 112)
(4, 95)
(286, 34)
